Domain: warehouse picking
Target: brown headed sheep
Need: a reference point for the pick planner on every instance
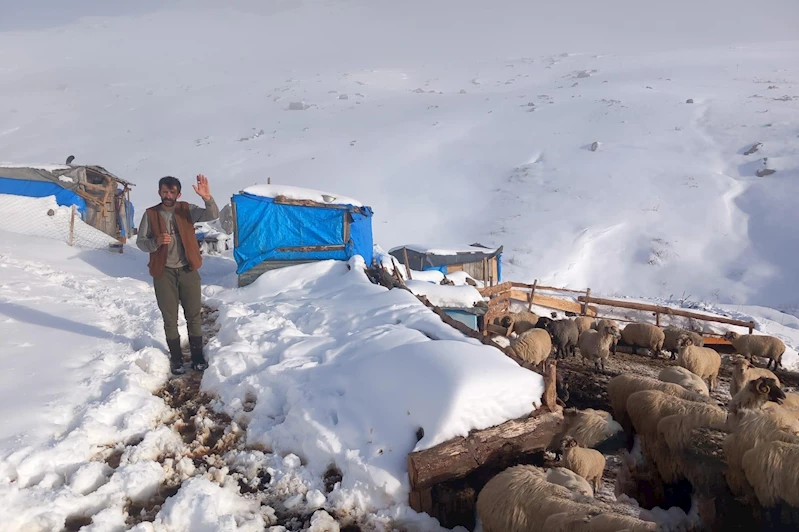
(533, 346)
(753, 396)
(743, 372)
(754, 427)
(583, 323)
(595, 345)
(685, 378)
(772, 469)
(644, 335)
(521, 321)
(607, 322)
(702, 361)
(758, 345)
(672, 334)
(564, 335)
(587, 463)
(621, 387)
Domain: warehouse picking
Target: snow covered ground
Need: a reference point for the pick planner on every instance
(562, 131)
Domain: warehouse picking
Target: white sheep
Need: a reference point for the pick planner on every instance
(621, 387)
(685, 378)
(672, 334)
(772, 469)
(519, 499)
(754, 427)
(603, 522)
(753, 396)
(607, 322)
(569, 480)
(743, 372)
(595, 345)
(758, 345)
(587, 463)
(702, 361)
(588, 427)
(533, 346)
(583, 323)
(644, 335)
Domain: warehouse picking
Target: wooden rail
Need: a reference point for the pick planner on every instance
(668, 311)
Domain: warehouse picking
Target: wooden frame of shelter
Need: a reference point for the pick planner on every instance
(479, 262)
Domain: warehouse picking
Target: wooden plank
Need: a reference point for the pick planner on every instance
(542, 287)
(305, 249)
(494, 446)
(282, 200)
(499, 330)
(496, 289)
(532, 295)
(552, 302)
(663, 310)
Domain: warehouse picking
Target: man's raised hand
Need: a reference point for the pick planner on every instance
(202, 188)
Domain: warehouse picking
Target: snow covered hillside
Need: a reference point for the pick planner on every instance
(456, 121)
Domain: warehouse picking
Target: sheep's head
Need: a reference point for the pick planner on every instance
(612, 330)
(568, 442)
(731, 335)
(506, 321)
(544, 323)
(768, 389)
(740, 363)
(684, 340)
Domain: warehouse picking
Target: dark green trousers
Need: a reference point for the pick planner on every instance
(179, 286)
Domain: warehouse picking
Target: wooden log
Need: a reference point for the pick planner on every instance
(491, 447)
(663, 310)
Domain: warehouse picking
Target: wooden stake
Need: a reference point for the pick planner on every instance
(72, 225)
(532, 295)
(407, 263)
(585, 303)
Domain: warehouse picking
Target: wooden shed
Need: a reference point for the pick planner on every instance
(480, 262)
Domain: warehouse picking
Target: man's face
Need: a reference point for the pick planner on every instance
(169, 195)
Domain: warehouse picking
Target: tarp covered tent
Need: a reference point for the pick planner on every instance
(277, 225)
(480, 262)
(102, 198)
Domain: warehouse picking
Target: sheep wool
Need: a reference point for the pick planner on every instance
(758, 345)
(644, 335)
(702, 361)
(588, 427)
(587, 463)
(564, 335)
(569, 480)
(754, 396)
(533, 346)
(672, 334)
(595, 345)
(583, 323)
(743, 372)
(772, 469)
(685, 378)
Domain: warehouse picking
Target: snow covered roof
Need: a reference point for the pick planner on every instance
(450, 250)
(299, 193)
(45, 167)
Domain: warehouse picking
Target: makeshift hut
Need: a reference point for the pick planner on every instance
(277, 226)
(481, 263)
(101, 198)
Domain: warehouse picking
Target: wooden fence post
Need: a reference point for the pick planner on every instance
(751, 327)
(657, 319)
(72, 226)
(532, 296)
(407, 263)
(585, 303)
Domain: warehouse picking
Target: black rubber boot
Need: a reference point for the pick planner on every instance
(197, 359)
(175, 356)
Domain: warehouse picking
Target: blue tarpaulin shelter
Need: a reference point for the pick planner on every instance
(101, 198)
(283, 231)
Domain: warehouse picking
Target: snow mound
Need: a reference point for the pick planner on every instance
(446, 295)
(341, 371)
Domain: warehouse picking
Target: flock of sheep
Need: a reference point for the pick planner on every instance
(760, 425)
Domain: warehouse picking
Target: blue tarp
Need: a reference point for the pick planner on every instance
(41, 189)
(265, 229)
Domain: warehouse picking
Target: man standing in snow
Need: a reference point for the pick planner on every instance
(166, 232)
